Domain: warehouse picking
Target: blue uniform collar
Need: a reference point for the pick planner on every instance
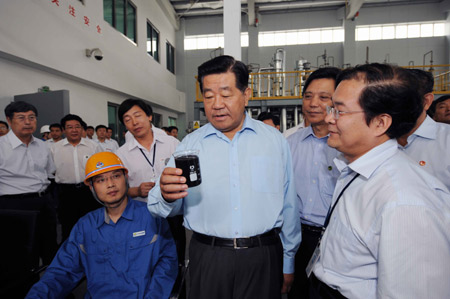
(127, 213)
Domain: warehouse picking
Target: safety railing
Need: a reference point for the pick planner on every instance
(289, 85)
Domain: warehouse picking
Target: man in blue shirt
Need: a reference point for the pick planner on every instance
(244, 214)
(314, 170)
(122, 250)
(428, 142)
(387, 234)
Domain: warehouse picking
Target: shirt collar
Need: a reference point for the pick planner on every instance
(426, 130)
(66, 142)
(15, 141)
(133, 143)
(247, 125)
(127, 214)
(369, 162)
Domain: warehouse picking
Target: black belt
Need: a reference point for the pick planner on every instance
(323, 289)
(269, 238)
(79, 185)
(312, 229)
(27, 195)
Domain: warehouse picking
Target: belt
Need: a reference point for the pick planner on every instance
(79, 185)
(269, 238)
(27, 195)
(312, 229)
(323, 289)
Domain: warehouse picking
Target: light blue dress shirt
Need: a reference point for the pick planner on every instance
(429, 147)
(315, 174)
(389, 234)
(247, 187)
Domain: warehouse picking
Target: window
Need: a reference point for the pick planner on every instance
(121, 14)
(113, 122)
(152, 41)
(397, 31)
(170, 57)
(300, 37)
(210, 41)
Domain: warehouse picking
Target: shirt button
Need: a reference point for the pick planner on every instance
(314, 181)
(315, 163)
(235, 208)
(236, 233)
(310, 200)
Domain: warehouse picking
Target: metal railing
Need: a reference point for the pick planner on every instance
(289, 85)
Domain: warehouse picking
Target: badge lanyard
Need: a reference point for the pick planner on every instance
(316, 254)
(152, 165)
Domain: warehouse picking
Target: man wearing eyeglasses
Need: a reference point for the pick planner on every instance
(25, 166)
(387, 234)
(122, 250)
(314, 170)
(70, 156)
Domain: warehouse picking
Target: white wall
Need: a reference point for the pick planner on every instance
(49, 45)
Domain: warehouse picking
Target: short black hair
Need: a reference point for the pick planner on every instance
(171, 128)
(267, 115)
(84, 125)
(56, 125)
(425, 80)
(432, 110)
(322, 73)
(129, 103)
(223, 64)
(19, 106)
(90, 127)
(5, 123)
(100, 127)
(109, 128)
(391, 90)
(70, 117)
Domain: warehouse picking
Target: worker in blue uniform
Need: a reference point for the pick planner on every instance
(123, 250)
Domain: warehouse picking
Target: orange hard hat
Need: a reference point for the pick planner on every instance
(102, 162)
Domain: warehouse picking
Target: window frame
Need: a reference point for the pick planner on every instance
(125, 17)
(153, 29)
(170, 57)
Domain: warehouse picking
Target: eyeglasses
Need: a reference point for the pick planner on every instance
(336, 113)
(21, 118)
(103, 179)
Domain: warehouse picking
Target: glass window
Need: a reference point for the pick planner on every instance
(244, 39)
(114, 124)
(388, 32)
(131, 22)
(375, 33)
(338, 35)
(439, 29)
(426, 30)
(401, 31)
(413, 31)
(314, 37)
(291, 38)
(121, 14)
(362, 33)
(170, 57)
(190, 43)
(303, 37)
(152, 41)
(326, 36)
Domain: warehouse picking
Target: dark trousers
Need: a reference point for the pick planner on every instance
(301, 285)
(228, 273)
(46, 232)
(74, 201)
(319, 290)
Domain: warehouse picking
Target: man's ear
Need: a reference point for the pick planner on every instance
(427, 100)
(247, 94)
(380, 124)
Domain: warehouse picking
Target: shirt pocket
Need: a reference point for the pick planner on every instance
(98, 261)
(140, 257)
(266, 174)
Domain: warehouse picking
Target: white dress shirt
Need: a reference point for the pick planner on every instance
(429, 147)
(70, 161)
(24, 169)
(389, 234)
(108, 145)
(139, 170)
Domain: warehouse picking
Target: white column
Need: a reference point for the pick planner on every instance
(232, 28)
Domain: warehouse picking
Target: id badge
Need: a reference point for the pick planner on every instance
(314, 259)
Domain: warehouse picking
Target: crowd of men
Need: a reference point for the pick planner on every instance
(355, 203)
